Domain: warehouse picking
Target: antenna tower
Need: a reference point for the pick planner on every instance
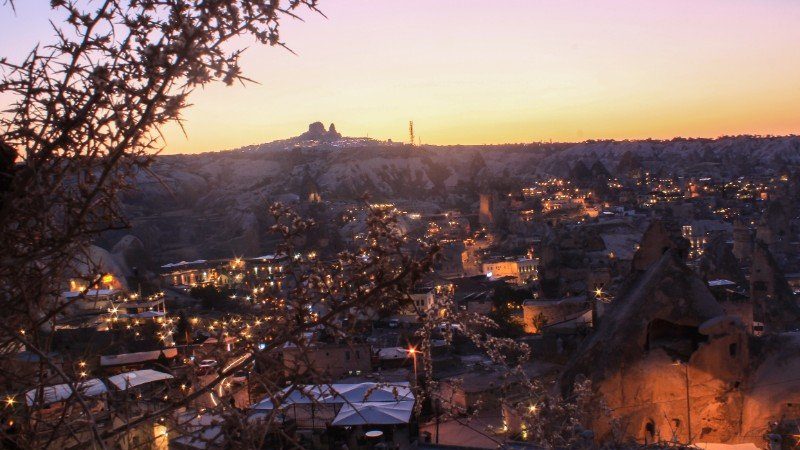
(411, 131)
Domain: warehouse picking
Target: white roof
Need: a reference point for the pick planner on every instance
(199, 431)
(341, 393)
(144, 315)
(183, 263)
(135, 358)
(393, 353)
(578, 300)
(299, 395)
(372, 413)
(136, 378)
(720, 282)
(61, 392)
(370, 392)
(213, 340)
(575, 320)
(90, 293)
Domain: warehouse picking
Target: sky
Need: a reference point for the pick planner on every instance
(478, 72)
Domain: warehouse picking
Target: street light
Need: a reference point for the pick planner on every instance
(413, 352)
(601, 296)
(599, 306)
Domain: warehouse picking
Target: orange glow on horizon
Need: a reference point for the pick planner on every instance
(518, 71)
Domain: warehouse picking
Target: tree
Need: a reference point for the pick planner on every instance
(551, 420)
(506, 304)
(183, 328)
(85, 116)
(539, 321)
(210, 296)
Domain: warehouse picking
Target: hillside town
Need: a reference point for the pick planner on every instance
(534, 225)
(673, 297)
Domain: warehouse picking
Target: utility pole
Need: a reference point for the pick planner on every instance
(413, 352)
(688, 399)
(688, 403)
(437, 405)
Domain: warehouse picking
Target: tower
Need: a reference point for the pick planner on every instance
(486, 211)
(411, 132)
(742, 241)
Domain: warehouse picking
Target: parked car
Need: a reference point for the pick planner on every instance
(452, 326)
(240, 377)
(207, 365)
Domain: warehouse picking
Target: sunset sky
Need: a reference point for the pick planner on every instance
(469, 71)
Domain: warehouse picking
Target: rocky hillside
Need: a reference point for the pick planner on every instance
(724, 156)
(213, 204)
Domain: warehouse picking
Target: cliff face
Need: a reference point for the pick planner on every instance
(656, 241)
(664, 340)
(668, 299)
(773, 389)
(728, 155)
(773, 300)
(670, 364)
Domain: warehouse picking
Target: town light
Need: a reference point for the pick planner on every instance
(413, 352)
